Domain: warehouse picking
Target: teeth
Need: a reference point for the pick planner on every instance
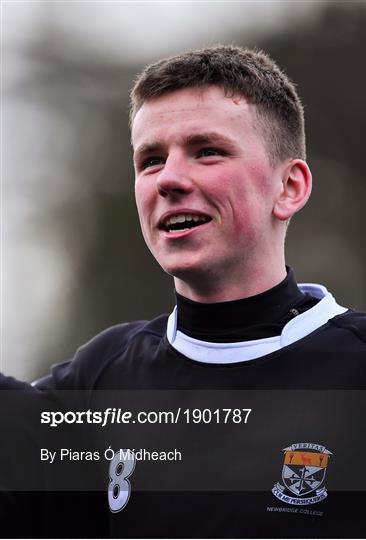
(181, 218)
(178, 230)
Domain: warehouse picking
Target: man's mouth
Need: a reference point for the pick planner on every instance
(183, 222)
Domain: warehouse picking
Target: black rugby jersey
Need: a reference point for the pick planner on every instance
(297, 470)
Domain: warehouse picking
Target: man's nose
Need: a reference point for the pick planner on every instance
(174, 179)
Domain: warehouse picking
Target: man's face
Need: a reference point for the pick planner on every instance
(205, 188)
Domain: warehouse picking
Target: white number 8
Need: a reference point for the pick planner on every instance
(119, 488)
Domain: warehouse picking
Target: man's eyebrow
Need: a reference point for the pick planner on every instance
(196, 139)
(211, 137)
(147, 148)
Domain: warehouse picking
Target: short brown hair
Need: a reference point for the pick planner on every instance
(247, 72)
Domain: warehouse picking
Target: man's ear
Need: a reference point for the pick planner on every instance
(295, 189)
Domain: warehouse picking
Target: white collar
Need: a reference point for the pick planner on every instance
(229, 353)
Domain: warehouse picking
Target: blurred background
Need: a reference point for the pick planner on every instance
(73, 258)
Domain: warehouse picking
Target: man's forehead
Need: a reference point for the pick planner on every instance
(185, 106)
(190, 98)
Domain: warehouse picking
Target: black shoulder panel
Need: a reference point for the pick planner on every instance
(354, 321)
(93, 357)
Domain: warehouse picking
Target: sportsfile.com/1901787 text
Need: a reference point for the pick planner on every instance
(113, 415)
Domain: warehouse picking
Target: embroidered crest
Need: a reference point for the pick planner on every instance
(303, 473)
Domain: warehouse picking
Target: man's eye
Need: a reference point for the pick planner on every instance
(151, 162)
(206, 152)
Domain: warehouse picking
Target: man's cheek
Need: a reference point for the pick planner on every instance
(245, 231)
(143, 206)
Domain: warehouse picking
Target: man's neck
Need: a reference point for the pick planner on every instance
(250, 284)
(256, 317)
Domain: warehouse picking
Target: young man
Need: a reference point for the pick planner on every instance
(219, 154)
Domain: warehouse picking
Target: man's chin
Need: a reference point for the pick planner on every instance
(185, 270)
